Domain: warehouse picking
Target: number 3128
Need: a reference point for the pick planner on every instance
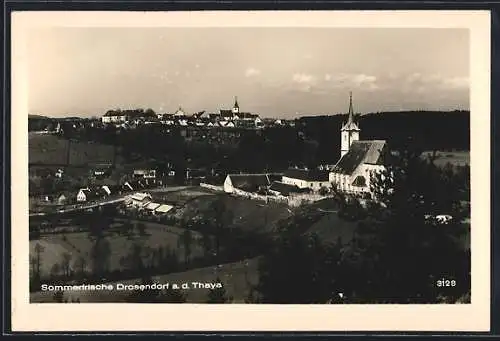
(446, 283)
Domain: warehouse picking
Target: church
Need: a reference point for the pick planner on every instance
(359, 159)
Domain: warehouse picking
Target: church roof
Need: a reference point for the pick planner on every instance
(226, 113)
(368, 152)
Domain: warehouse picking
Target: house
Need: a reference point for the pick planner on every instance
(313, 179)
(139, 199)
(180, 113)
(87, 194)
(112, 189)
(151, 207)
(281, 188)
(359, 159)
(113, 116)
(144, 173)
(62, 199)
(248, 182)
(127, 187)
(163, 209)
(59, 173)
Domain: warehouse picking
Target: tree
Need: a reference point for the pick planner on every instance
(141, 228)
(38, 261)
(207, 244)
(172, 296)
(217, 295)
(187, 240)
(55, 270)
(397, 255)
(80, 265)
(66, 264)
(298, 270)
(100, 256)
(323, 191)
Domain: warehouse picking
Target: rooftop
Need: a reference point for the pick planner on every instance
(307, 174)
(368, 152)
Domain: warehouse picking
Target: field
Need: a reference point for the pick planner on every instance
(236, 277)
(49, 149)
(330, 228)
(461, 158)
(243, 213)
(79, 245)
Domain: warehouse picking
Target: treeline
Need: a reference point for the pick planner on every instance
(431, 129)
(313, 141)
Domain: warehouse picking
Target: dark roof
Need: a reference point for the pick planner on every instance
(114, 113)
(284, 189)
(249, 182)
(307, 174)
(247, 115)
(369, 152)
(91, 193)
(275, 177)
(114, 188)
(226, 113)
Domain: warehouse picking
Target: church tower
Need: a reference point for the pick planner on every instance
(236, 107)
(349, 131)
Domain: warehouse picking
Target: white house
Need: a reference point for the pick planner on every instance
(145, 173)
(162, 209)
(139, 199)
(249, 182)
(312, 179)
(85, 194)
(359, 160)
(113, 117)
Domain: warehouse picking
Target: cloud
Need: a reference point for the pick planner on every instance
(303, 78)
(432, 82)
(353, 81)
(250, 72)
(456, 82)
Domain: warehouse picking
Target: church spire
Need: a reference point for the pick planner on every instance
(351, 111)
(236, 102)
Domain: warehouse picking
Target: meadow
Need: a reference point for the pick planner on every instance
(50, 149)
(237, 279)
(457, 158)
(79, 245)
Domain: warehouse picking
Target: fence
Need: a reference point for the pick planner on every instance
(293, 201)
(212, 187)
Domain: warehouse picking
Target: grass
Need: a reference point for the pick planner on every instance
(331, 228)
(79, 245)
(245, 214)
(460, 158)
(49, 149)
(236, 278)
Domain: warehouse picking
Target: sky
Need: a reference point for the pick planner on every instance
(275, 72)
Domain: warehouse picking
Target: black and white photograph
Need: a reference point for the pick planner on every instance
(255, 165)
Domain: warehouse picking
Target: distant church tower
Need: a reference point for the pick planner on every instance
(236, 107)
(349, 131)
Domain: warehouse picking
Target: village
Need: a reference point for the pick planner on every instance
(130, 221)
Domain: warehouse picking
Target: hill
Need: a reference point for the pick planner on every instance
(49, 149)
(242, 213)
(427, 128)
